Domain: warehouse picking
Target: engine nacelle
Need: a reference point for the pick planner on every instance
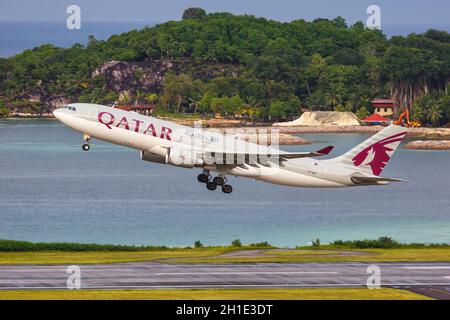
(183, 158)
(149, 156)
(245, 171)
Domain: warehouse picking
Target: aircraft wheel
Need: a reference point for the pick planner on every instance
(211, 186)
(203, 178)
(218, 180)
(226, 188)
(86, 147)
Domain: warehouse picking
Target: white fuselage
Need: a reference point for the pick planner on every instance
(156, 136)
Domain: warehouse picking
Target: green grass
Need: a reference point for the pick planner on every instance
(22, 252)
(214, 255)
(215, 294)
(369, 255)
(89, 257)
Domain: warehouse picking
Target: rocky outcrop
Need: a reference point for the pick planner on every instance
(323, 118)
(122, 76)
(126, 78)
(428, 145)
(58, 102)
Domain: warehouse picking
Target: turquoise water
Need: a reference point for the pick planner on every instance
(50, 190)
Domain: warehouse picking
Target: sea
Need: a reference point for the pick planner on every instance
(51, 190)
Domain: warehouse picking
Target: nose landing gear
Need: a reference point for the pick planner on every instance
(220, 180)
(86, 146)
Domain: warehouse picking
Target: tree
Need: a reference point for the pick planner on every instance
(151, 98)
(432, 108)
(198, 244)
(177, 90)
(347, 107)
(204, 103)
(284, 108)
(236, 243)
(362, 112)
(4, 111)
(434, 114)
(194, 13)
(412, 72)
(317, 101)
(92, 40)
(194, 102)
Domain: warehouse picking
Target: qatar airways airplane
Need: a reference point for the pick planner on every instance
(168, 143)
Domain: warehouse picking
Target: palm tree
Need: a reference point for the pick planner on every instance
(334, 95)
(434, 114)
(194, 102)
(417, 112)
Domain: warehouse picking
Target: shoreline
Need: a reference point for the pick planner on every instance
(434, 138)
(428, 145)
(233, 125)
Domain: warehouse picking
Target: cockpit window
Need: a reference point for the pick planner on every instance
(71, 108)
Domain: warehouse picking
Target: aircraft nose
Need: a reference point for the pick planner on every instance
(57, 112)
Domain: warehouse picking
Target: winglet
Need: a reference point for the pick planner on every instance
(325, 150)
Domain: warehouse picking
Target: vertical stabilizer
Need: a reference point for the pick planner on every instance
(372, 155)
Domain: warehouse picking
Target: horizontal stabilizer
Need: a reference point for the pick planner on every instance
(325, 150)
(373, 180)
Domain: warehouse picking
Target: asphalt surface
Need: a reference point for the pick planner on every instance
(431, 279)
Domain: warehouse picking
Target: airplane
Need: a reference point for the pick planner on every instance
(165, 142)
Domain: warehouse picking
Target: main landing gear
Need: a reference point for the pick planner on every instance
(86, 146)
(212, 185)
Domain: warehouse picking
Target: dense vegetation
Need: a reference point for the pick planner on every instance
(240, 65)
(17, 246)
(380, 243)
(13, 246)
(384, 243)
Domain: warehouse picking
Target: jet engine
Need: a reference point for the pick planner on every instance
(183, 158)
(149, 156)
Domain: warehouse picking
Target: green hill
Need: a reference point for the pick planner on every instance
(228, 64)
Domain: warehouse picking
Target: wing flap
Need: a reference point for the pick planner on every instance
(235, 157)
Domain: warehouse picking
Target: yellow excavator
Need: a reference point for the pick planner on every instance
(404, 120)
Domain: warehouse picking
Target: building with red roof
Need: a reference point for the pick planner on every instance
(384, 107)
(377, 119)
(142, 109)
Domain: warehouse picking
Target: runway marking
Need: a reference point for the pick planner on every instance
(243, 272)
(427, 267)
(206, 272)
(327, 285)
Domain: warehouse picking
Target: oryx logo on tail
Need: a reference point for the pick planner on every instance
(378, 154)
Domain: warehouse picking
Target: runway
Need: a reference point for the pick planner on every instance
(431, 279)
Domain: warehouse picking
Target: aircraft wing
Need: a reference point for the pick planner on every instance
(222, 156)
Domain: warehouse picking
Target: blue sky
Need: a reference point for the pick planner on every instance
(411, 12)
